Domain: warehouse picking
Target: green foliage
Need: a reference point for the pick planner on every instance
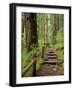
(39, 62)
(26, 58)
(23, 40)
(59, 45)
(45, 32)
(41, 43)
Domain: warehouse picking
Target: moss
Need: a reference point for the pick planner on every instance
(59, 45)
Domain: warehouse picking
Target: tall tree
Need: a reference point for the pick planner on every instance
(55, 26)
(31, 30)
(33, 23)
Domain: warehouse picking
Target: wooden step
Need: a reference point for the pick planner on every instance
(49, 57)
(52, 57)
(51, 61)
(51, 50)
(51, 54)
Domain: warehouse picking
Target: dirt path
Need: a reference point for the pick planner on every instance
(50, 66)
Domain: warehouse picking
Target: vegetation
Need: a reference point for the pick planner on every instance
(39, 29)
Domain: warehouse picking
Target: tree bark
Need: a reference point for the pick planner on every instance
(31, 30)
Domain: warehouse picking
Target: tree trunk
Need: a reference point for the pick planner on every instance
(33, 24)
(55, 27)
(31, 30)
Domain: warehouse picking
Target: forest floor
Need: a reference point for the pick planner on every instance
(50, 66)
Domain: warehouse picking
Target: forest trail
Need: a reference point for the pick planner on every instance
(50, 65)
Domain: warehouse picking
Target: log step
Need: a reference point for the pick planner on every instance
(51, 61)
(50, 50)
(52, 57)
(51, 54)
(49, 57)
